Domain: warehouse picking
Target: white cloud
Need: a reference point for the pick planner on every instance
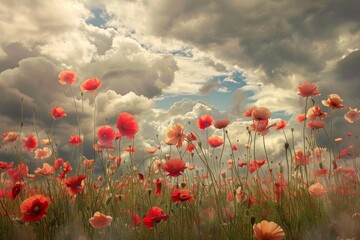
(36, 21)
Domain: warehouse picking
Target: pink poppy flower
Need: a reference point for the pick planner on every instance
(45, 170)
(127, 125)
(151, 150)
(333, 101)
(315, 112)
(67, 77)
(262, 127)
(9, 137)
(215, 141)
(316, 124)
(261, 113)
(204, 121)
(352, 115)
(42, 153)
(319, 154)
(100, 221)
(57, 112)
(175, 135)
(308, 89)
(30, 143)
(90, 85)
(301, 158)
(317, 190)
(46, 141)
(220, 124)
(268, 231)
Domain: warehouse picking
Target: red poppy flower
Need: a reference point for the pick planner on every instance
(136, 221)
(130, 149)
(9, 137)
(15, 190)
(75, 140)
(30, 143)
(204, 121)
(90, 85)
(241, 164)
(155, 215)
(127, 125)
(57, 112)
(88, 163)
(248, 112)
(191, 147)
(191, 136)
(4, 165)
(308, 89)
(106, 135)
(34, 208)
(67, 77)
(178, 195)
(256, 164)
(215, 141)
(75, 184)
(66, 169)
(300, 117)
(174, 167)
(58, 163)
(234, 147)
(151, 150)
(220, 124)
(158, 187)
(280, 125)
(18, 174)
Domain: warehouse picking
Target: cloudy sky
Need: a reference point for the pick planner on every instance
(171, 61)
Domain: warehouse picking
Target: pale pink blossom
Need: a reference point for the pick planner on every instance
(352, 115)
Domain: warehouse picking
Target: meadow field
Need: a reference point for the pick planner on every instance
(183, 187)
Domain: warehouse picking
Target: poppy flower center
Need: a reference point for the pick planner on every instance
(124, 127)
(36, 209)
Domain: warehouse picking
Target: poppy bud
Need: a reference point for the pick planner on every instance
(252, 220)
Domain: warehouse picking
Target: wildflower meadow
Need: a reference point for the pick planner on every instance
(183, 187)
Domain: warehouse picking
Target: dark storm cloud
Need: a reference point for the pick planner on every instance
(280, 37)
